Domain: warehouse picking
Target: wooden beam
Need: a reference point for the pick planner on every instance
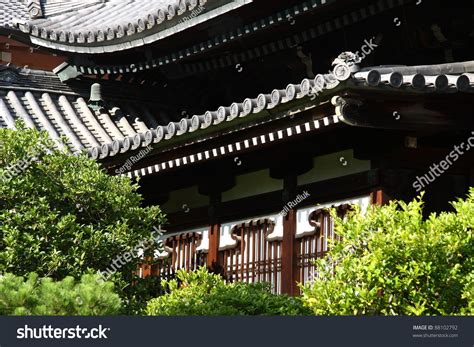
(321, 192)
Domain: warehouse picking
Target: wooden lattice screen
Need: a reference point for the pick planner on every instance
(312, 246)
(255, 255)
(182, 254)
(254, 258)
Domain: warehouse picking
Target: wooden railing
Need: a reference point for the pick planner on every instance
(255, 253)
(254, 258)
(315, 245)
(180, 252)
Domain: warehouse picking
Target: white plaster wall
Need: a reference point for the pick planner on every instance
(302, 215)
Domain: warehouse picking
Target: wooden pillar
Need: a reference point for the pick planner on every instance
(214, 261)
(379, 197)
(213, 255)
(289, 268)
(214, 181)
(293, 164)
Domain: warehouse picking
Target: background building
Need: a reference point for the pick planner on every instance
(244, 119)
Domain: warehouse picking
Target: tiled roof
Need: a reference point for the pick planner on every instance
(279, 43)
(125, 126)
(11, 10)
(98, 26)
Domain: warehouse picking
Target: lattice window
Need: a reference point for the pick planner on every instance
(315, 245)
(180, 252)
(254, 258)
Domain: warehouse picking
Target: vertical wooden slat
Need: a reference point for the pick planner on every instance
(259, 249)
(189, 240)
(173, 257)
(247, 263)
(265, 247)
(231, 263)
(193, 252)
(242, 253)
(252, 233)
(276, 250)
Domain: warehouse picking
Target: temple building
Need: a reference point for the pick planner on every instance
(246, 119)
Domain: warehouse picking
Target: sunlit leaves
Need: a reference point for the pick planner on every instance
(393, 262)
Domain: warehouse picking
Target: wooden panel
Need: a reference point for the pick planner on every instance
(183, 255)
(316, 245)
(254, 258)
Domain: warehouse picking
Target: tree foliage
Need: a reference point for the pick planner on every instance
(391, 261)
(200, 293)
(89, 296)
(63, 215)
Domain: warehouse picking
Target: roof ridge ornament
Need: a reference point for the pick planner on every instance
(95, 101)
(345, 65)
(34, 9)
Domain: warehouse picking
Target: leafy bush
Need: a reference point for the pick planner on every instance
(393, 262)
(140, 292)
(200, 293)
(42, 296)
(63, 215)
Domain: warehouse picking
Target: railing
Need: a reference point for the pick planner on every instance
(253, 251)
(180, 252)
(255, 257)
(314, 245)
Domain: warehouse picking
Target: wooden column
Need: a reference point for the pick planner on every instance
(379, 197)
(214, 261)
(291, 165)
(289, 269)
(213, 255)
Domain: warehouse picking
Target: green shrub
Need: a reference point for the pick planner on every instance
(140, 292)
(63, 215)
(200, 293)
(391, 261)
(42, 296)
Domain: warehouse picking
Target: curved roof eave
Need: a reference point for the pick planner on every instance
(182, 21)
(125, 127)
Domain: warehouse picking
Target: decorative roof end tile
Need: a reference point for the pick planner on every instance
(34, 9)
